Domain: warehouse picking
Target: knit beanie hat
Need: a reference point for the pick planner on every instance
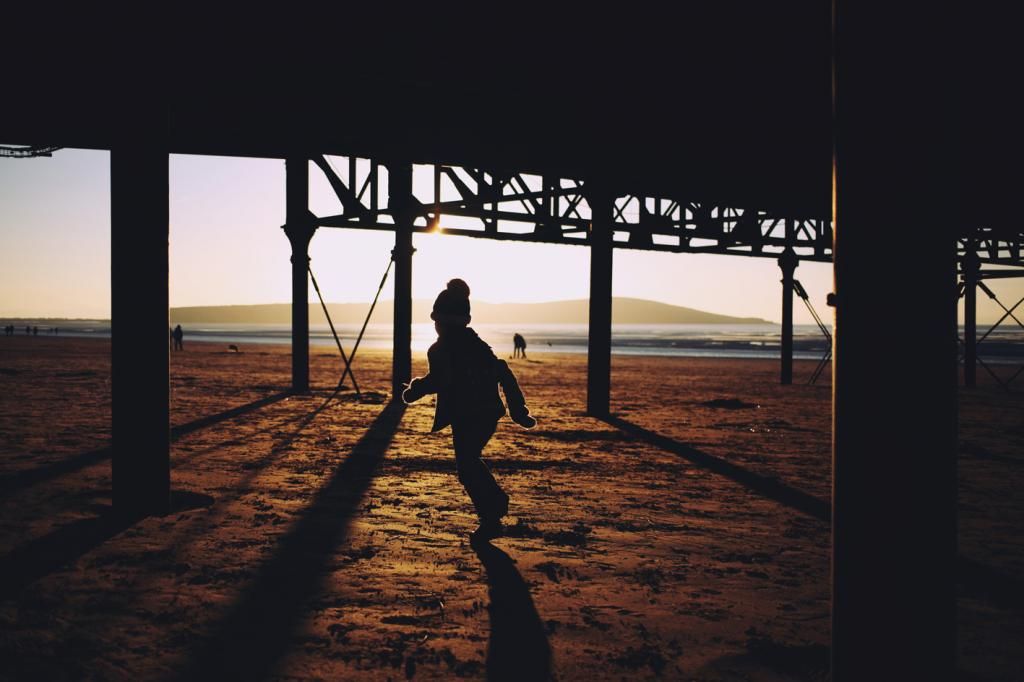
(452, 304)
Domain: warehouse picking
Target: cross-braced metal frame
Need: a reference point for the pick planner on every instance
(993, 247)
(474, 202)
(973, 278)
(520, 206)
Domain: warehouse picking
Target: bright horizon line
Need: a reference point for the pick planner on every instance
(473, 300)
(383, 299)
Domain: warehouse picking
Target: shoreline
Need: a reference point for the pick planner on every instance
(330, 350)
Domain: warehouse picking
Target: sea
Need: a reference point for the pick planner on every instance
(1004, 345)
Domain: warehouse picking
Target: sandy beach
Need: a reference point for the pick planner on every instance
(326, 536)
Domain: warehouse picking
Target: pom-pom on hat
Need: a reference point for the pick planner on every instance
(452, 304)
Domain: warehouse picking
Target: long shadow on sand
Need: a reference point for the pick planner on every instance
(763, 485)
(29, 477)
(518, 649)
(41, 556)
(45, 554)
(256, 633)
(201, 423)
(301, 422)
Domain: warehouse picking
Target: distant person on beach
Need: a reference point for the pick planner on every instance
(35, 331)
(465, 375)
(28, 330)
(519, 346)
(178, 335)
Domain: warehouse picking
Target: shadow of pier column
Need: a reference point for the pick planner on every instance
(255, 635)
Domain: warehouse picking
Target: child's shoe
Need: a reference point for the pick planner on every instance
(487, 530)
(501, 509)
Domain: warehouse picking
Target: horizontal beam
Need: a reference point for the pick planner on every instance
(555, 214)
(773, 250)
(1002, 274)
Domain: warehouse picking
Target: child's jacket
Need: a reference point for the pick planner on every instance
(465, 374)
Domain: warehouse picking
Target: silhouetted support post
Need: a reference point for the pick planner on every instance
(299, 228)
(894, 464)
(971, 265)
(400, 200)
(787, 262)
(599, 344)
(140, 410)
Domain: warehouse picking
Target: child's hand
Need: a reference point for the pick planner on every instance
(413, 391)
(521, 416)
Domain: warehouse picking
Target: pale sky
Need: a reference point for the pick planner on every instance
(227, 247)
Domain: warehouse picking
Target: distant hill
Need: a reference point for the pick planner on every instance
(624, 311)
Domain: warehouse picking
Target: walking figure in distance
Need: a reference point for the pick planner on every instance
(465, 375)
(519, 343)
(178, 336)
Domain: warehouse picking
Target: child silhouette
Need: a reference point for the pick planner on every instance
(465, 375)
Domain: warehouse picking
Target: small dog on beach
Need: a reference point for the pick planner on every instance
(233, 347)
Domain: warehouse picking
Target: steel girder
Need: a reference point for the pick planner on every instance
(474, 202)
(994, 246)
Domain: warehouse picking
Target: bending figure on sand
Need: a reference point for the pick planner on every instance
(465, 375)
(519, 343)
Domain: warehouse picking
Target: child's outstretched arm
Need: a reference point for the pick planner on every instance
(514, 396)
(417, 388)
(438, 377)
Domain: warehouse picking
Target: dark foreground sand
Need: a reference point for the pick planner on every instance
(326, 537)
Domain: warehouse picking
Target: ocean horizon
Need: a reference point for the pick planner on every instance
(668, 340)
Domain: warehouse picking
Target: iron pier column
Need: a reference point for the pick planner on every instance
(140, 410)
(894, 513)
(299, 228)
(971, 266)
(599, 344)
(788, 263)
(400, 200)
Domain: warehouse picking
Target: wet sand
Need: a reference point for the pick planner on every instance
(326, 536)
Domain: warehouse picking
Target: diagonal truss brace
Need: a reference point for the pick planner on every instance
(522, 207)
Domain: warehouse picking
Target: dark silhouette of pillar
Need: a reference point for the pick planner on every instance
(787, 263)
(895, 417)
(299, 228)
(140, 410)
(401, 202)
(971, 266)
(599, 344)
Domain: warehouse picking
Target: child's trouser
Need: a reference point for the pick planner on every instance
(470, 438)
